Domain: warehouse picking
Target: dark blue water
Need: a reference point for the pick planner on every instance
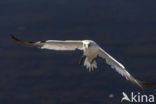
(124, 28)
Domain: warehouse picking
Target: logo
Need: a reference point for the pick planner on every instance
(137, 97)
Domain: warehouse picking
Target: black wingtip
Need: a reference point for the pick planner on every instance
(143, 84)
(146, 84)
(24, 43)
(14, 38)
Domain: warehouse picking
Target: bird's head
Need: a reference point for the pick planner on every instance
(87, 43)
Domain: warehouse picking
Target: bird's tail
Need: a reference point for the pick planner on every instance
(89, 64)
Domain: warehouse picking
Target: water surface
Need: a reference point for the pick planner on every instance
(125, 29)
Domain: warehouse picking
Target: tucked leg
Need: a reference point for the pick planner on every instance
(81, 59)
(93, 60)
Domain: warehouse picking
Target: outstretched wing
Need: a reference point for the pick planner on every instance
(121, 69)
(52, 44)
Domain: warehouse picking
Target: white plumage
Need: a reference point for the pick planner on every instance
(90, 52)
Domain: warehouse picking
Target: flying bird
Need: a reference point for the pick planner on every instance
(90, 52)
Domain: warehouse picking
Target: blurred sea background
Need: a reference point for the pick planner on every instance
(126, 29)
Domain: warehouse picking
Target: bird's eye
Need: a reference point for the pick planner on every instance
(89, 44)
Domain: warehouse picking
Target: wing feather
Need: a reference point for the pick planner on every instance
(121, 69)
(52, 44)
(63, 45)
